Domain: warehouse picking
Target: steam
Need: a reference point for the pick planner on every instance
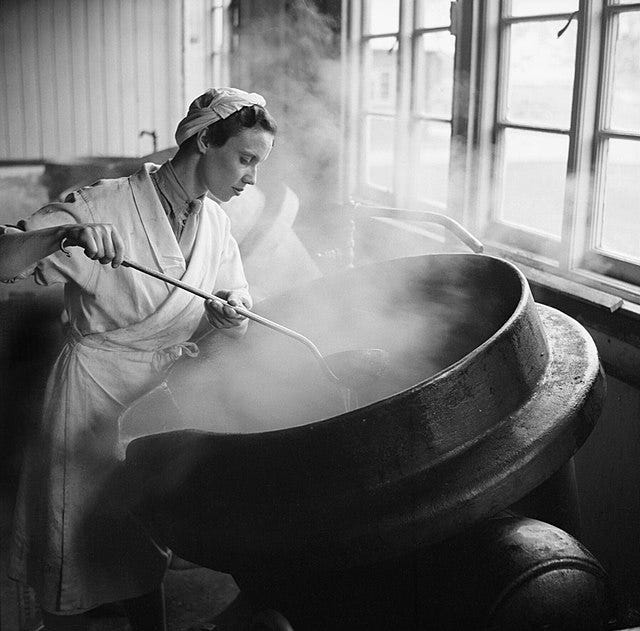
(267, 381)
(426, 313)
(292, 58)
(426, 319)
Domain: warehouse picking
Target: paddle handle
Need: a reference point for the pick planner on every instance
(241, 310)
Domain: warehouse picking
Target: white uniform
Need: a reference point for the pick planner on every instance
(72, 542)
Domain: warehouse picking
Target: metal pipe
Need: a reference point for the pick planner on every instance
(366, 211)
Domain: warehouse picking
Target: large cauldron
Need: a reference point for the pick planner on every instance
(252, 462)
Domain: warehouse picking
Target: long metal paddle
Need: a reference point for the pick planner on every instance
(356, 367)
(241, 310)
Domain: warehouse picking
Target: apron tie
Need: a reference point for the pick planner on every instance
(163, 358)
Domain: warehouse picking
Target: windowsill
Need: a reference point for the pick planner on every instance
(544, 276)
(571, 288)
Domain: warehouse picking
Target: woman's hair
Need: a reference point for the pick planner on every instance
(249, 116)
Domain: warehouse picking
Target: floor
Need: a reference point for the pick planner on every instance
(198, 599)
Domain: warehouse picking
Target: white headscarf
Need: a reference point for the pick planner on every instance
(214, 105)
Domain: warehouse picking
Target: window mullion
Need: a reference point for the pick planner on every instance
(412, 123)
(484, 73)
(602, 116)
(601, 140)
(358, 98)
(463, 119)
(352, 59)
(576, 219)
(403, 111)
(500, 99)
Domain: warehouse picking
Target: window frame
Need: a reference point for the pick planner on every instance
(626, 272)
(576, 260)
(512, 235)
(406, 117)
(476, 127)
(220, 28)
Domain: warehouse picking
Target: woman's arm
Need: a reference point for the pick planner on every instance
(19, 250)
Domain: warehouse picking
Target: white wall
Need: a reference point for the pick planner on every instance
(84, 77)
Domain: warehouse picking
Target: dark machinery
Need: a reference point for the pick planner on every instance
(245, 460)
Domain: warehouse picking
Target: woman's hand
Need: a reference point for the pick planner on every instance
(224, 316)
(100, 241)
(20, 249)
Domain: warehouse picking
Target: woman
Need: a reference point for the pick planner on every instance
(125, 329)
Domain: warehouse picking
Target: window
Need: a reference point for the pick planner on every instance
(532, 123)
(614, 240)
(525, 125)
(566, 156)
(403, 56)
(219, 41)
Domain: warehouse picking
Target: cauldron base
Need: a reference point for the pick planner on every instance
(510, 572)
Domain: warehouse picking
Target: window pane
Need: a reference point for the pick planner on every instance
(432, 174)
(217, 29)
(625, 105)
(539, 7)
(379, 148)
(619, 220)
(534, 181)
(434, 74)
(381, 16)
(540, 74)
(433, 13)
(380, 70)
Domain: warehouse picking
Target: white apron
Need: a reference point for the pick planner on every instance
(72, 542)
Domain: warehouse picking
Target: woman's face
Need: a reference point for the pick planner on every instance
(225, 171)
